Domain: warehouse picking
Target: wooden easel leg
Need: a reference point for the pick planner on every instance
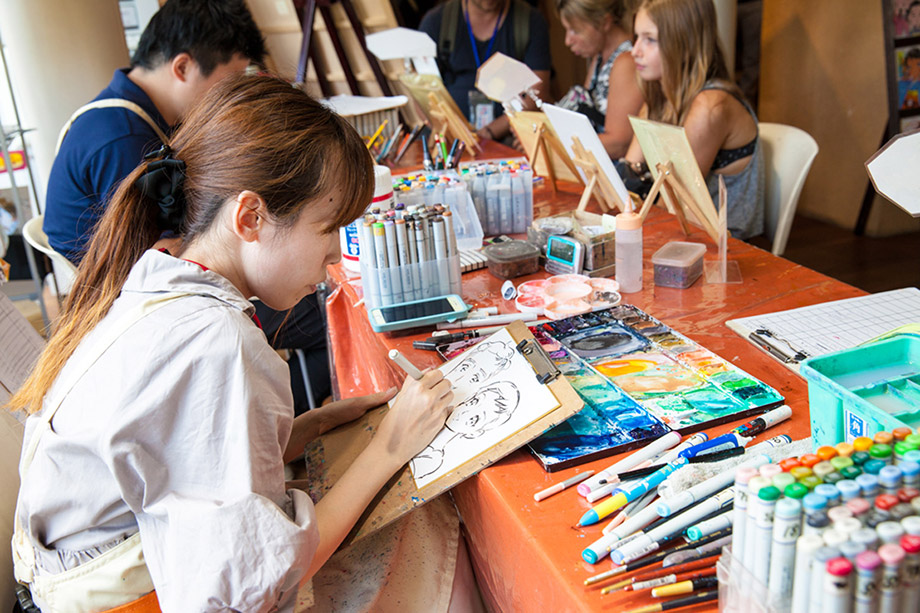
(678, 210)
(652, 194)
(586, 195)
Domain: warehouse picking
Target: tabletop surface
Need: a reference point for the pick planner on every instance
(527, 554)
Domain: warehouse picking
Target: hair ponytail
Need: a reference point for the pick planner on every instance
(123, 234)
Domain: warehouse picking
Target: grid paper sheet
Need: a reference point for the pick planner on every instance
(833, 326)
(20, 345)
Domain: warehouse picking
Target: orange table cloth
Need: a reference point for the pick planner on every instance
(527, 555)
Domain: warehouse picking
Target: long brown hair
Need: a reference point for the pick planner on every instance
(688, 45)
(594, 11)
(248, 133)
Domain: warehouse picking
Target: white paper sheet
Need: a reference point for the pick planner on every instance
(496, 394)
(568, 124)
(348, 106)
(20, 346)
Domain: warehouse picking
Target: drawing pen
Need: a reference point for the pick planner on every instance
(700, 459)
(458, 155)
(679, 603)
(555, 489)
(492, 320)
(405, 364)
(440, 140)
(426, 155)
(725, 441)
(410, 138)
(444, 339)
(685, 587)
(450, 154)
(629, 492)
(762, 422)
(370, 143)
(620, 570)
(687, 556)
(666, 442)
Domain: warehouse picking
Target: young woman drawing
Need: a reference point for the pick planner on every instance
(161, 418)
(685, 82)
(600, 31)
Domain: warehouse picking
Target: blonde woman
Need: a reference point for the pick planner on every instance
(600, 31)
(685, 82)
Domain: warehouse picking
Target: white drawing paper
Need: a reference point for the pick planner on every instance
(568, 124)
(349, 106)
(19, 348)
(892, 171)
(496, 394)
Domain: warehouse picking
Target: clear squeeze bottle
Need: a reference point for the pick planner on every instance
(629, 251)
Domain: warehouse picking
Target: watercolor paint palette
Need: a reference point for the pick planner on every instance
(639, 379)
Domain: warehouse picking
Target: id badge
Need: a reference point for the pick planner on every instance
(482, 110)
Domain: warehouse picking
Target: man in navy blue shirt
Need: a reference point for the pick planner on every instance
(187, 47)
(484, 27)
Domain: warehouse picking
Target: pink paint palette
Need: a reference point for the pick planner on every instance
(563, 296)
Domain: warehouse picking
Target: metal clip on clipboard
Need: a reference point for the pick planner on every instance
(542, 364)
(778, 347)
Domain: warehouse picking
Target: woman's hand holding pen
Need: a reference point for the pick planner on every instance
(416, 415)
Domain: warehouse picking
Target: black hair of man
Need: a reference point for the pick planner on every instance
(914, 53)
(210, 31)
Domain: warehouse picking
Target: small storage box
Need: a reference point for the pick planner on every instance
(678, 264)
(861, 391)
(511, 259)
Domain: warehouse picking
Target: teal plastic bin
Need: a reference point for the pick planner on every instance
(861, 391)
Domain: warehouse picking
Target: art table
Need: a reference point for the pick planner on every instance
(526, 554)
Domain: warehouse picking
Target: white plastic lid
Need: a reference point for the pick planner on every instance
(678, 253)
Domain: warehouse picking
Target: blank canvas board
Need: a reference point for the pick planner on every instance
(496, 394)
(568, 124)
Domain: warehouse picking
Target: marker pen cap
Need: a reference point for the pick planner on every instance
(912, 441)
(788, 508)
(910, 469)
(839, 567)
(906, 494)
(830, 492)
(911, 525)
(782, 480)
(899, 449)
(834, 538)
(844, 449)
(755, 485)
(901, 433)
(868, 560)
(840, 462)
(889, 478)
(881, 451)
(811, 482)
(789, 463)
(795, 490)
(858, 506)
(848, 525)
(862, 443)
(865, 536)
(809, 460)
(599, 549)
(817, 521)
(860, 457)
(883, 438)
(800, 472)
(874, 518)
(848, 489)
(851, 472)
(891, 554)
(910, 543)
(814, 502)
(884, 502)
(769, 493)
(889, 531)
(901, 510)
(826, 452)
(770, 470)
(744, 474)
(822, 469)
(868, 484)
(874, 466)
(839, 513)
(850, 550)
(833, 478)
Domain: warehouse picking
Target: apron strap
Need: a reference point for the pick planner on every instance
(109, 103)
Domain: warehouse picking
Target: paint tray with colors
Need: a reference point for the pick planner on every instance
(639, 379)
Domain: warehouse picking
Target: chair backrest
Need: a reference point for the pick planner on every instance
(788, 154)
(36, 237)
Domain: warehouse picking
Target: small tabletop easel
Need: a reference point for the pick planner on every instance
(550, 160)
(599, 184)
(677, 198)
(445, 120)
(722, 271)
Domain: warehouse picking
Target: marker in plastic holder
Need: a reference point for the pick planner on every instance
(816, 582)
(763, 540)
(868, 484)
(742, 476)
(848, 489)
(669, 440)
(910, 573)
(750, 525)
(829, 492)
(890, 585)
(805, 548)
(838, 585)
(911, 525)
(910, 471)
(889, 532)
(787, 527)
(865, 589)
(889, 479)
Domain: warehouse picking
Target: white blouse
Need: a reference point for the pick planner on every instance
(178, 431)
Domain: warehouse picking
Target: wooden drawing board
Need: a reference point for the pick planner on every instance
(547, 156)
(667, 147)
(329, 456)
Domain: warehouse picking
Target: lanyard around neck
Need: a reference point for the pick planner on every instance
(469, 29)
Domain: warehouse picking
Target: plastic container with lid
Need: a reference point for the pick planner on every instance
(678, 264)
(511, 259)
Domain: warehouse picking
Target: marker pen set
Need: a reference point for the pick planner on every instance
(502, 193)
(442, 188)
(831, 531)
(408, 254)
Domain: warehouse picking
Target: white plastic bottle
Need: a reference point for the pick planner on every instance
(629, 252)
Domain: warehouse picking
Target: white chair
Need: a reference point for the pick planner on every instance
(37, 238)
(788, 154)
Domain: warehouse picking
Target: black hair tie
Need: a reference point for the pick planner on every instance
(162, 182)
